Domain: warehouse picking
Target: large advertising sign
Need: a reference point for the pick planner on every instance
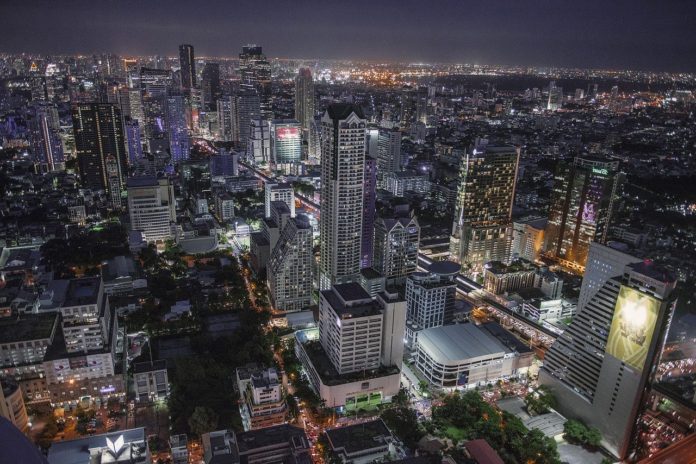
(633, 326)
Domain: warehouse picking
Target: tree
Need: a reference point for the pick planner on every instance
(401, 398)
(203, 420)
(540, 401)
(404, 423)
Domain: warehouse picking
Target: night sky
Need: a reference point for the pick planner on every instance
(611, 34)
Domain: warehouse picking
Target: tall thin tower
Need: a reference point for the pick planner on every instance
(304, 99)
(342, 175)
(188, 66)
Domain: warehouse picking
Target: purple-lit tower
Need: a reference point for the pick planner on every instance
(368, 226)
(133, 142)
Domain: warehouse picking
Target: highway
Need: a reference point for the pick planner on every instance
(466, 287)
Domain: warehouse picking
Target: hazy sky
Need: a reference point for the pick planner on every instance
(638, 34)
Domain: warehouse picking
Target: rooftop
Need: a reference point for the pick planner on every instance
(454, 343)
(249, 441)
(359, 437)
(482, 452)
(351, 300)
(27, 327)
(148, 366)
(78, 451)
(84, 291)
(343, 110)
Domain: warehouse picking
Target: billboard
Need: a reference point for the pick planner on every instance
(632, 327)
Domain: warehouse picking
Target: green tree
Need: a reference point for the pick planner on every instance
(404, 423)
(203, 420)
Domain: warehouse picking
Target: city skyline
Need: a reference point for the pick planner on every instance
(590, 34)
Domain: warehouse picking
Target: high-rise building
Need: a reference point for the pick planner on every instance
(598, 369)
(151, 205)
(245, 108)
(44, 128)
(210, 86)
(396, 248)
(187, 63)
(369, 211)
(304, 100)
(259, 142)
(255, 72)
(555, 101)
(279, 192)
(482, 226)
(98, 132)
(133, 141)
(342, 190)
(583, 201)
(225, 119)
(528, 238)
(177, 128)
(155, 85)
(290, 266)
(286, 145)
(422, 105)
(430, 297)
(389, 151)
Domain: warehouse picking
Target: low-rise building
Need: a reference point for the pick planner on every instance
(262, 400)
(278, 444)
(151, 381)
(122, 447)
(361, 443)
(121, 275)
(178, 444)
(12, 404)
(464, 356)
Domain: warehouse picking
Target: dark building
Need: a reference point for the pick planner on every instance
(210, 86)
(188, 66)
(98, 132)
(583, 202)
(255, 71)
(369, 212)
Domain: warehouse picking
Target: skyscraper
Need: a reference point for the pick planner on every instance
(225, 119)
(482, 227)
(583, 201)
(599, 367)
(369, 211)
(342, 176)
(177, 130)
(245, 108)
(259, 142)
(388, 153)
(151, 205)
(290, 266)
(396, 248)
(555, 101)
(44, 127)
(155, 85)
(98, 132)
(422, 105)
(430, 297)
(286, 145)
(304, 100)
(255, 72)
(210, 86)
(133, 143)
(187, 63)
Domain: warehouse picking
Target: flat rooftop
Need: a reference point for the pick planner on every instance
(455, 343)
(27, 327)
(82, 291)
(359, 437)
(247, 442)
(77, 451)
(351, 300)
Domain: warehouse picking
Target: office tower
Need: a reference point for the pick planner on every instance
(187, 63)
(583, 201)
(210, 86)
(344, 310)
(388, 152)
(422, 105)
(246, 107)
(133, 143)
(599, 368)
(290, 276)
(44, 135)
(369, 211)
(177, 129)
(259, 142)
(131, 103)
(279, 192)
(255, 72)
(342, 190)
(314, 142)
(396, 248)
(286, 145)
(152, 207)
(225, 119)
(481, 230)
(114, 182)
(430, 297)
(555, 101)
(528, 238)
(155, 85)
(408, 109)
(304, 100)
(98, 132)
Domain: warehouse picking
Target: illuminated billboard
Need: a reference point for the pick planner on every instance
(632, 328)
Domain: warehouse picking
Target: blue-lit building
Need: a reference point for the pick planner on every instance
(177, 128)
(133, 143)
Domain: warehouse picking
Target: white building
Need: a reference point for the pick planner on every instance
(466, 356)
(178, 444)
(290, 266)
(150, 381)
(342, 176)
(396, 248)
(152, 207)
(279, 192)
(262, 397)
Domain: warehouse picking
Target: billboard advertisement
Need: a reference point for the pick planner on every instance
(632, 327)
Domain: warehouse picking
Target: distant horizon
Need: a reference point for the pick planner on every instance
(587, 34)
